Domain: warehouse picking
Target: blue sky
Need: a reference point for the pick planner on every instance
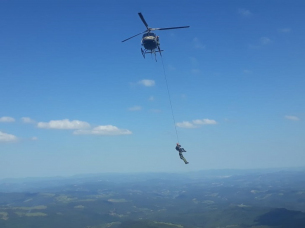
(74, 99)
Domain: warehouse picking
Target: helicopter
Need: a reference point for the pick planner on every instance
(150, 41)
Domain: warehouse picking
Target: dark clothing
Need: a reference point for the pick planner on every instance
(178, 148)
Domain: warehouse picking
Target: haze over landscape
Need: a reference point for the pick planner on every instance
(202, 199)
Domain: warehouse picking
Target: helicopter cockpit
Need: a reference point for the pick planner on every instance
(149, 34)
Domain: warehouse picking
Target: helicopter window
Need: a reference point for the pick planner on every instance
(149, 34)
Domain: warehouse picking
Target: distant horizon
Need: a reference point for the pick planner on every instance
(301, 168)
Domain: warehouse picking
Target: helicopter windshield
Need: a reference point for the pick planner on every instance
(149, 34)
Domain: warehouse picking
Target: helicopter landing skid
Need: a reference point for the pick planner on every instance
(143, 53)
(159, 50)
(151, 52)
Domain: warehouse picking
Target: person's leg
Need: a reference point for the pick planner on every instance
(182, 157)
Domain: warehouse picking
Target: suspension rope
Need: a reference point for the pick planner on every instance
(170, 100)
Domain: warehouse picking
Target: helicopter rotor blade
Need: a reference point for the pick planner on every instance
(169, 28)
(143, 20)
(134, 36)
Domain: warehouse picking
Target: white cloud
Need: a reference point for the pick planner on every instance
(185, 124)
(245, 13)
(204, 122)
(147, 82)
(195, 123)
(27, 120)
(4, 137)
(64, 124)
(197, 44)
(7, 119)
(34, 138)
(295, 118)
(265, 40)
(135, 108)
(151, 98)
(103, 130)
(285, 30)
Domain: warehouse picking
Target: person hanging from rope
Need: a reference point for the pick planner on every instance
(180, 150)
